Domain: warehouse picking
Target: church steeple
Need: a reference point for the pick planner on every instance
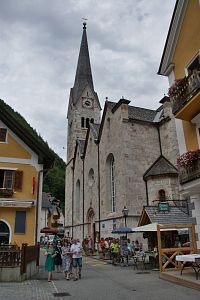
(84, 106)
(83, 72)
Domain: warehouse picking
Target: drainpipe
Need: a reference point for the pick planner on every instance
(147, 194)
(37, 202)
(83, 195)
(99, 195)
(159, 139)
(72, 201)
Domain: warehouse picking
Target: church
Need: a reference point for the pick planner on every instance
(117, 161)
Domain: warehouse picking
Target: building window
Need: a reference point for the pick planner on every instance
(10, 179)
(162, 196)
(3, 134)
(82, 122)
(77, 199)
(92, 121)
(6, 179)
(87, 123)
(20, 222)
(194, 64)
(91, 177)
(110, 183)
(112, 180)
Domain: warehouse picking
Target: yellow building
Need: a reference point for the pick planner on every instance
(181, 64)
(24, 158)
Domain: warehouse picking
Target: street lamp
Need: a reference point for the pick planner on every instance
(125, 213)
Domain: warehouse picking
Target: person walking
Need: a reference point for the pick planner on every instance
(49, 263)
(76, 250)
(66, 259)
(58, 258)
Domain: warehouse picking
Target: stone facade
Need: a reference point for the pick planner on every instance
(109, 161)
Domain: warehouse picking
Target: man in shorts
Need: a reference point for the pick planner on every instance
(76, 250)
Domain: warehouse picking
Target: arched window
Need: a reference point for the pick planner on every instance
(87, 123)
(82, 122)
(91, 177)
(162, 196)
(111, 184)
(77, 199)
(4, 233)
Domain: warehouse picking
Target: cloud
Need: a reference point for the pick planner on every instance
(40, 43)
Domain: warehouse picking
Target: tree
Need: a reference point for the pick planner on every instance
(54, 181)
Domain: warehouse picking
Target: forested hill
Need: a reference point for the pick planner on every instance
(54, 181)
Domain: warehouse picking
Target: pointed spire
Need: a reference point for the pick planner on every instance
(83, 72)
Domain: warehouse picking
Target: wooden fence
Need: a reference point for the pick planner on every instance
(167, 256)
(13, 256)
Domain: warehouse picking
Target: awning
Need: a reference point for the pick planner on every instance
(145, 228)
(49, 230)
(153, 227)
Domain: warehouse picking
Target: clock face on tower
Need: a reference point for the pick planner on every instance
(87, 102)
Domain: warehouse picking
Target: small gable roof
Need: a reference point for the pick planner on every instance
(27, 134)
(161, 166)
(174, 216)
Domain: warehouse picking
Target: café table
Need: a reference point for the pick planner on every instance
(192, 260)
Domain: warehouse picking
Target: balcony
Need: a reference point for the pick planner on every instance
(185, 96)
(6, 193)
(188, 173)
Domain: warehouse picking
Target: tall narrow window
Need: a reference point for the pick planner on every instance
(77, 200)
(112, 181)
(162, 196)
(20, 222)
(87, 123)
(82, 122)
(92, 120)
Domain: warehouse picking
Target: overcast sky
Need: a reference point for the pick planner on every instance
(40, 42)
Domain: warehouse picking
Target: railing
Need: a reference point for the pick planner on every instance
(189, 173)
(10, 256)
(13, 256)
(185, 92)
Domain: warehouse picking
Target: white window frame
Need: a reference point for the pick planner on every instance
(191, 61)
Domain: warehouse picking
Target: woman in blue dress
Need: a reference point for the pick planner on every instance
(49, 263)
(66, 259)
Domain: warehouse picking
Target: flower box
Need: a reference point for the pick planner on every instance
(187, 159)
(6, 193)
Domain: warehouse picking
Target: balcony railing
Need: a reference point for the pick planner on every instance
(185, 91)
(188, 173)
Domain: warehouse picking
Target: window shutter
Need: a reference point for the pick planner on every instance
(18, 180)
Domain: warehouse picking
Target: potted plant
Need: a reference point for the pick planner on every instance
(179, 87)
(187, 159)
(5, 193)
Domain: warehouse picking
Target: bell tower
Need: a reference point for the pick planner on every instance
(84, 106)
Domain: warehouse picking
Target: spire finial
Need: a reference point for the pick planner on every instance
(84, 22)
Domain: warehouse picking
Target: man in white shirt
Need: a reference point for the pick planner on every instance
(76, 250)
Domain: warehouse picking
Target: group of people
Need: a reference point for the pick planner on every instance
(66, 255)
(117, 248)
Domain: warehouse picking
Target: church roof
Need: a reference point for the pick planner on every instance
(174, 216)
(141, 114)
(83, 72)
(137, 113)
(161, 166)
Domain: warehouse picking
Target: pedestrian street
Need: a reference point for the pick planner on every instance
(100, 280)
